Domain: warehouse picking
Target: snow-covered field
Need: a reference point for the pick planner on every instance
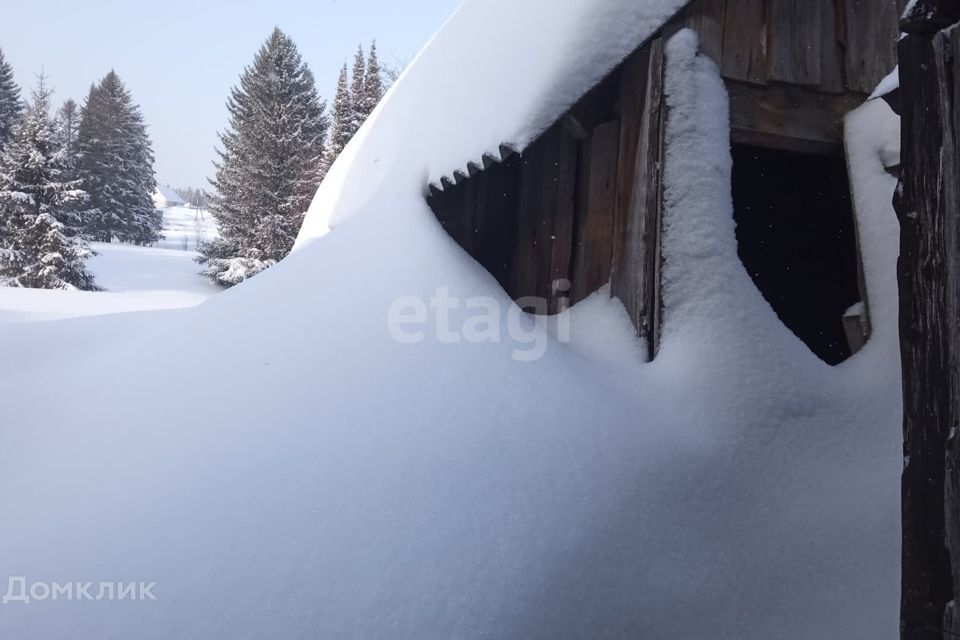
(185, 228)
(134, 278)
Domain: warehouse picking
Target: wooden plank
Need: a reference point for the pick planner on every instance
(871, 38)
(529, 259)
(948, 43)
(594, 237)
(795, 28)
(599, 104)
(632, 94)
(545, 218)
(928, 207)
(452, 211)
(854, 327)
(560, 238)
(495, 218)
(480, 215)
(639, 200)
(831, 48)
(707, 18)
(745, 40)
(786, 117)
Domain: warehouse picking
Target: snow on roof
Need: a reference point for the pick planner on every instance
(499, 71)
(166, 193)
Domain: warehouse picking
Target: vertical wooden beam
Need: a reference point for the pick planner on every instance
(952, 201)
(707, 18)
(796, 32)
(871, 41)
(929, 279)
(545, 217)
(529, 258)
(745, 41)
(635, 271)
(831, 53)
(594, 236)
(499, 234)
(560, 238)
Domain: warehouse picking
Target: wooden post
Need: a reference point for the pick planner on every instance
(929, 279)
(635, 277)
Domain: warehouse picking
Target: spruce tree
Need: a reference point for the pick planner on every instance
(37, 249)
(270, 163)
(372, 86)
(116, 163)
(10, 105)
(68, 121)
(355, 101)
(341, 129)
(357, 91)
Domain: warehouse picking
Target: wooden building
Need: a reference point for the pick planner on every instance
(580, 207)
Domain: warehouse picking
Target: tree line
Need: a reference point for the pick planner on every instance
(84, 174)
(278, 147)
(68, 177)
(192, 197)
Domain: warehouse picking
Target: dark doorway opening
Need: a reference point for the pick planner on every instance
(796, 237)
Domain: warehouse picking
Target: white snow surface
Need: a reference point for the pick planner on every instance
(134, 278)
(890, 82)
(299, 474)
(185, 228)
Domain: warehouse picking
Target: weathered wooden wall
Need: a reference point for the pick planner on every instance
(929, 278)
(564, 207)
(833, 46)
(582, 203)
(795, 67)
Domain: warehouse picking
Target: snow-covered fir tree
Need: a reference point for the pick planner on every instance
(270, 164)
(355, 100)
(372, 87)
(341, 128)
(68, 122)
(116, 164)
(39, 247)
(358, 81)
(10, 104)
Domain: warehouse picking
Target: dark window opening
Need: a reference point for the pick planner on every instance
(796, 237)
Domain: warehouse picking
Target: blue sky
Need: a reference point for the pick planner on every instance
(180, 58)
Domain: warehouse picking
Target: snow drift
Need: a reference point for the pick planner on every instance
(293, 472)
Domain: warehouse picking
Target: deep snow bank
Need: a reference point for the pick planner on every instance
(301, 474)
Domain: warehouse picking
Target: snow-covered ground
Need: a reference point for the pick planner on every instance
(185, 228)
(134, 278)
(281, 467)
